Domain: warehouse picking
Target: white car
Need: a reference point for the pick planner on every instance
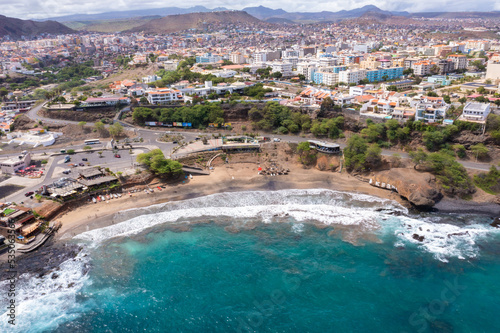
(276, 139)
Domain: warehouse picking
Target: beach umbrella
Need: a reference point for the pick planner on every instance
(259, 169)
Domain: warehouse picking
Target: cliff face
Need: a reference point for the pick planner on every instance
(419, 188)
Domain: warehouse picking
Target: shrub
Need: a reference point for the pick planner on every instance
(490, 181)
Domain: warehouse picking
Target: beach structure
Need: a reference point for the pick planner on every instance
(19, 219)
(94, 177)
(325, 147)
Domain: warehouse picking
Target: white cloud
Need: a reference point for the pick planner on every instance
(43, 8)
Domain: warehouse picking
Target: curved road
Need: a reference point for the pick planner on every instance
(150, 136)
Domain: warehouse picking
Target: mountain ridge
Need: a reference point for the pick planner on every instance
(181, 22)
(16, 28)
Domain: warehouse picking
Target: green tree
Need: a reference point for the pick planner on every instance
(355, 153)
(490, 181)
(433, 140)
(156, 162)
(480, 151)
(115, 130)
(99, 126)
(306, 157)
(373, 157)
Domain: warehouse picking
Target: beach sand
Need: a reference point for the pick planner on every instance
(226, 178)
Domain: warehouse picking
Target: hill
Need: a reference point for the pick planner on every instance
(15, 28)
(110, 26)
(134, 13)
(175, 23)
(278, 20)
(324, 16)
(262, 12)
(458, 15)
(369, 18)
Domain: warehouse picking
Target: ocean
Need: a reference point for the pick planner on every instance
(271, 261)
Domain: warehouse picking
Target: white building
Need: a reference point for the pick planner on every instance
(165, 96)
(237, 58)
(459, 61)
(284, 68)
(493, 70)
(474, 111)
(170, 65)
(352, 76)
(150, 78)
(11, 165)
(359, 90)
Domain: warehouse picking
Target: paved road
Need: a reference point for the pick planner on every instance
(150, 137)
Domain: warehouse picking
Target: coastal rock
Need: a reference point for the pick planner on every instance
(496, 223)
(417, 187)
(418, 237)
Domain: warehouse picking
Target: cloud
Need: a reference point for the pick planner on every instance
(50, 8)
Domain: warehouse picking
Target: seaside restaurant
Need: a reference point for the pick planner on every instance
(324, 147)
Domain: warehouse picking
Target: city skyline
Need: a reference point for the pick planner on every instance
(36, 9)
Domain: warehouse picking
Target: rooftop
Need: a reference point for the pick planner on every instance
(472, 106)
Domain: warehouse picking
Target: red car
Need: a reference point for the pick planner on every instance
(117, 155)
(27, 194)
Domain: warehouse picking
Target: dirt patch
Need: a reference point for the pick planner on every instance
(7, 190)
(89, 116)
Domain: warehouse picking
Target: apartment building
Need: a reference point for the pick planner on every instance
(208, 58)
(326, 78)
(165, 96)
(284, 68)
(445, 66)
(237, 58)
(384, 74)
(352, 76)
(459, 61)
(422, 68)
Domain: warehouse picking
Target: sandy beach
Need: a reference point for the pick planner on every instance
(227, 178)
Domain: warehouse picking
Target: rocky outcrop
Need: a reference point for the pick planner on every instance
(419, 188)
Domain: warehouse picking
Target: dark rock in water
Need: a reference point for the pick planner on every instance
(41, 263)
(439, 326)
(459, 234)
(418, 237)
(54, 276)
(496, 223)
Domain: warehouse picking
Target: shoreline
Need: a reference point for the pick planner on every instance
(92, 216)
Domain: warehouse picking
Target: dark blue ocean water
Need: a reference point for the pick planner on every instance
(276, 272)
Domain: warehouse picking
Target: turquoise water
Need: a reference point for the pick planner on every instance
(276, 268)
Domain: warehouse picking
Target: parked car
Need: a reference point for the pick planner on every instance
(81, 164)
(117, 155)
(30, 193)
(276, 139)
(66, 171)
(84, 159)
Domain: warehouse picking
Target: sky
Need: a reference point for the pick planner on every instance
(27, 9)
